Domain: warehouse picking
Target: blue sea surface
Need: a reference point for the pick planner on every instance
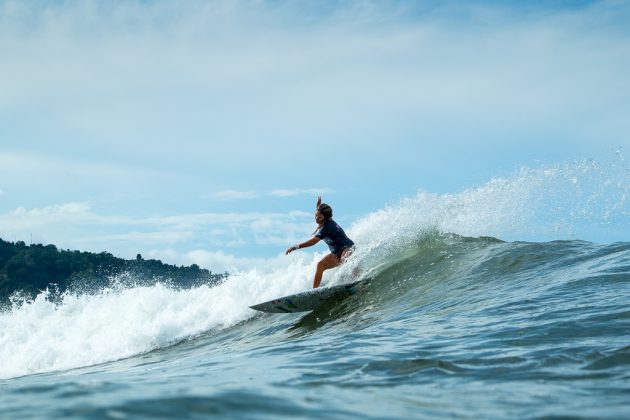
(450, 326)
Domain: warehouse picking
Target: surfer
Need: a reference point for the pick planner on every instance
(334, 236)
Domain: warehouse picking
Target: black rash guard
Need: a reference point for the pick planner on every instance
(334, 236)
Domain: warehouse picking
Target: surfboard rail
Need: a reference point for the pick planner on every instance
(310, 299)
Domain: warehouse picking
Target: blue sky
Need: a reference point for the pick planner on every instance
(203, 131)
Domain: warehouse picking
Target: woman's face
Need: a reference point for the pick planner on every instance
(319, 218)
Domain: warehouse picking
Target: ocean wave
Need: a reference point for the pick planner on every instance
(437, 255)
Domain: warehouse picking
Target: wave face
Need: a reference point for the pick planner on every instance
(454, 323)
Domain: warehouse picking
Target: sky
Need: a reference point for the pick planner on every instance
(203, 131)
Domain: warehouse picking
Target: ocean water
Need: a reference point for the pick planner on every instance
(466, 316)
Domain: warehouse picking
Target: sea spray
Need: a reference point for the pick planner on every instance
(562, 201)
(52, 332)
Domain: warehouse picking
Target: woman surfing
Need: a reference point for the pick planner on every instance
(340, 245)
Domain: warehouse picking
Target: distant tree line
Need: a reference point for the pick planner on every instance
(29, 269)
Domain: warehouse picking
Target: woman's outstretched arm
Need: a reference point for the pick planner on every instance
(306, 244)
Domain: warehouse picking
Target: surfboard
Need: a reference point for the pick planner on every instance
(309, 300)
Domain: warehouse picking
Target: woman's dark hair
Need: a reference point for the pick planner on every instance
(325, 210)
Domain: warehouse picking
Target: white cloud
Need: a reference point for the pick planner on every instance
(67, 209)
(230, 195)
(76, 225)
(21, 163)
(39, 218)
(233, 195)
(220, 261)
(163, 237)
(55, 174)
(76, 213)
(294, 192)
(257, 84)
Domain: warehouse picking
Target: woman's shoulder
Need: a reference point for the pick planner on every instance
(331, 224)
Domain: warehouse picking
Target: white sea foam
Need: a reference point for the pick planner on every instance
(83, 330)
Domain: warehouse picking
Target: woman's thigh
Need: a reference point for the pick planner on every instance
(330, 261)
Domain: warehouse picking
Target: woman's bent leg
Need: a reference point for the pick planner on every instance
(329, 261)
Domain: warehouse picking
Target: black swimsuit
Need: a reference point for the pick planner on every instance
(335, 237)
